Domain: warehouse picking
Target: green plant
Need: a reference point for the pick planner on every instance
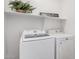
(19, 5)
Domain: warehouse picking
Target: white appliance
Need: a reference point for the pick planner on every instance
(55, 46)
(65, 48)
(37, 47)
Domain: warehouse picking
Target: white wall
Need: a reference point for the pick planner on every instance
(68, 12)
(50, 6)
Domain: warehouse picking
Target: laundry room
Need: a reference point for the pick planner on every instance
(37, 22)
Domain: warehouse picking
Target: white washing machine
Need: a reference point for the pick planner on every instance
(42, 47)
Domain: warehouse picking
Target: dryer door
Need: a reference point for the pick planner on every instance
(41, 49)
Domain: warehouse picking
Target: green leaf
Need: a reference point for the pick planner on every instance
(20, 5)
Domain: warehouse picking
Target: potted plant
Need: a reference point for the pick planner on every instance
(20, 6)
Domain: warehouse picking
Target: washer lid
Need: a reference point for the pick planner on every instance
(36, 38)
(34, 35)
